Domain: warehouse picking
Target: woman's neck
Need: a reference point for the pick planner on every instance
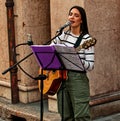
(76, 31)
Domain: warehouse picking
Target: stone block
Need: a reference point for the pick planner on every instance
(52, 103)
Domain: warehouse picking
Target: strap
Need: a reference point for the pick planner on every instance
(78, 41)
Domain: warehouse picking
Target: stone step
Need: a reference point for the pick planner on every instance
(26, 112)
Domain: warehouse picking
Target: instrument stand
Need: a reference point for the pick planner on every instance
(41, 77)
(57, 57)
(62, 99)
(60, 58)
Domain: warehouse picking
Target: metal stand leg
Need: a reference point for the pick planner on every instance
(41, 77)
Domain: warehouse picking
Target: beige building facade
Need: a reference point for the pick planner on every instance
(41, 18)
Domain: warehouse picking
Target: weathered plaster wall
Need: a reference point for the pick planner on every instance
(34, 18)
(4, 54)
(31, 16)
(59, 12)
(104, 24)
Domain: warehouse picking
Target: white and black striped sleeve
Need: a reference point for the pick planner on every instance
(88, 60)
(87, 56)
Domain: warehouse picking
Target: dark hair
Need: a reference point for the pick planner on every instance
(84, 27)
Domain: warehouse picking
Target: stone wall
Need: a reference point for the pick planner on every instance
(4, 60)
(34, 18)
(31, 17)
(104, 24)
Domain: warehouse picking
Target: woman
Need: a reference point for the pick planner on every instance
(74, 94)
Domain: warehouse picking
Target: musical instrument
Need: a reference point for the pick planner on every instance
(53, 81)
(55, 77)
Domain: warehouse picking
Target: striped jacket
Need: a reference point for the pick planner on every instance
(86, 55)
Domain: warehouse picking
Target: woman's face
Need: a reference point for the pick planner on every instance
(75, 18)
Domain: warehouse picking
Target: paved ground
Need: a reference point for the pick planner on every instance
(115, 117)
(32, 111)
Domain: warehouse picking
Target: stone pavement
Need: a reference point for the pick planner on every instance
(31, 112)
(25, 112)
(114, 117)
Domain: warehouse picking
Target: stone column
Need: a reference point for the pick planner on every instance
(31, 17)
